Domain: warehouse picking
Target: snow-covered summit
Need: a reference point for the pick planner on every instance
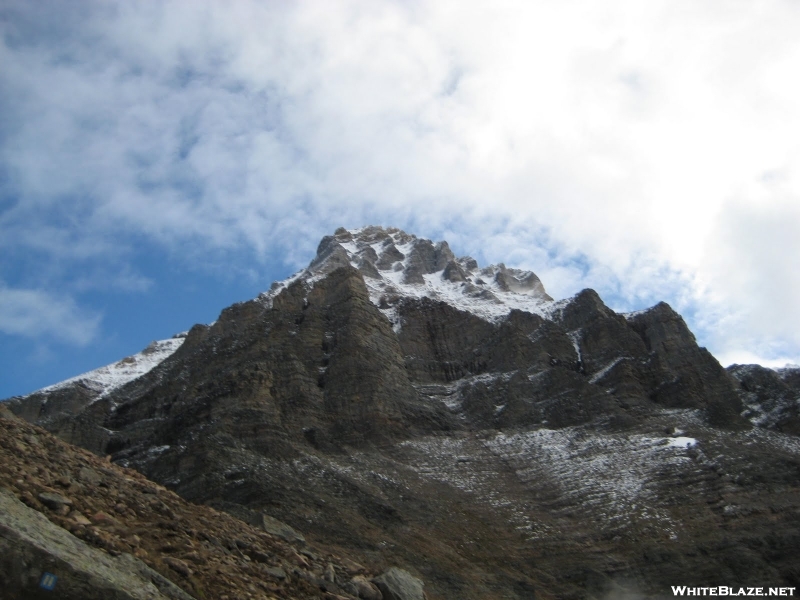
(398, 265)
(106, 379)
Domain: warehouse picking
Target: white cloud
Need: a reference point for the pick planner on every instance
(649, 150)
(38, 314)
(751, 268)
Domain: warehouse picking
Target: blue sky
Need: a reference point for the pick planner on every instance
(159, 161)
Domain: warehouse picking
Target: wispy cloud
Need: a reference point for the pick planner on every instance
(648, 150)
(39, 314)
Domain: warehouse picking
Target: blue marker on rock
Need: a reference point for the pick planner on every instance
(48, 581)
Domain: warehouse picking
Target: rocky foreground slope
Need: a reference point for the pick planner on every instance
(107, 532)
(420, 410)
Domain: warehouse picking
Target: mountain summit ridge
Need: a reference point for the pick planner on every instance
(396, 264)
(400, 402)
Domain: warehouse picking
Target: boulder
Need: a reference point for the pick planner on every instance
(360, 587)
(54, 501)
(398, 584)
(280, 529)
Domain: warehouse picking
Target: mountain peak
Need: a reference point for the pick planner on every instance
(397, 265)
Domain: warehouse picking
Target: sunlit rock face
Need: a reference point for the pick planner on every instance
(454, 419)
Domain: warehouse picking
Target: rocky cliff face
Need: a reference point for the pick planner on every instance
(771, 398)
(410, 405)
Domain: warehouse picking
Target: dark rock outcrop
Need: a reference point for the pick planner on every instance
(426, 258)
(684, 374)
(771, 398)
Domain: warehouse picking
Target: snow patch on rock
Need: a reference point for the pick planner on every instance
(107, 379)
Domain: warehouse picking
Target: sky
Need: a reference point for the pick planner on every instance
(162, 160)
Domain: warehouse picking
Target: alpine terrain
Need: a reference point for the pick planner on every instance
(406, 408)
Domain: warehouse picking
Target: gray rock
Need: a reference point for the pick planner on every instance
(398, 584)
(54, 501)
(389, 255)
(275, 572)
(280, 529)
(89, 476)
(30, 546)
(330, 255)
(427, 257)
(468, 263)
(367, 267)
(454, 272)
(515, 280)
(361, 587)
